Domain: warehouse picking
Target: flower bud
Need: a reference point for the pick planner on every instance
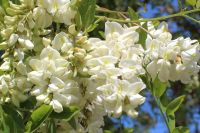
(13, 12)
(72, 29)
(10, 20)
(7, 32)
(82, 40)
(20, 27)
(21, 68)
(25, 43)
(3, 45)
(5, 55)
(13, 39)
(47, 100)
(19, 54)
(46, 42)
(28, 3)
(4, 87)
(6, 65)
(16, 7)
(41, 17)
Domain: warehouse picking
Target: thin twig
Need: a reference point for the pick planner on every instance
(180, 14)
(101, 9)
(186, 16)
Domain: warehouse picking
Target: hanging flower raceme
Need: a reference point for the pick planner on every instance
(171, 59)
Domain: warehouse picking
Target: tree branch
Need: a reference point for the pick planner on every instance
(180, 14)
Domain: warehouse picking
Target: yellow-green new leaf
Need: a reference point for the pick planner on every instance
(159, 87)
(38, 117)
(181, 130)
(173, 106)
(132, 14)
(191, 2)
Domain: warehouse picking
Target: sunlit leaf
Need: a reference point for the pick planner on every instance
(143, 35)
(132, 14)
(38, 116)
(159, 87)
(181, 130)
(191, 2)
(173, 106)
(87, 10)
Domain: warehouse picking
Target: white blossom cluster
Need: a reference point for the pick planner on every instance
(101, 77)
(171, 59)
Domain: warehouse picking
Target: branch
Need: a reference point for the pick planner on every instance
(186, 16)
(180, 14)
(105, 10)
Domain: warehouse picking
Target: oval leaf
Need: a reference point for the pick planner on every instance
(159, 87)
(181, 130)
(39, 116)
(132, 14)
(87, 10)
(173, 106)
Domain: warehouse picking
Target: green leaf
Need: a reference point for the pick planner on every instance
(91, 27)
(87, 12)
(132, 14)
(143, 35)
(28, 127)
(181, 130)
(107, 131)
(68, 113)
(198, 4)
(4, 127)
(29, 103)
(173, 106)
(159, 87)
(191, 2)
(128, 130)
(12, 112)
(102, 34)
(38, 116)
(78, 21)
(4, 3)
(51, 126)
(9, 122)
(171, 122)
(180, 4)
(164, 99)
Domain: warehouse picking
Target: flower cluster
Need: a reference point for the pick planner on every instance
(47, 58)
(171, 59)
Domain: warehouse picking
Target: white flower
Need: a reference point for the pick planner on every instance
(119, 94)
(62, 42)
(6, 65)
(41, 17)
(57, 106)
(13, 39)
(171, 59)
(21, 68)
(114, 66)
(65, 14)
(26, 43)
(51, 84)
